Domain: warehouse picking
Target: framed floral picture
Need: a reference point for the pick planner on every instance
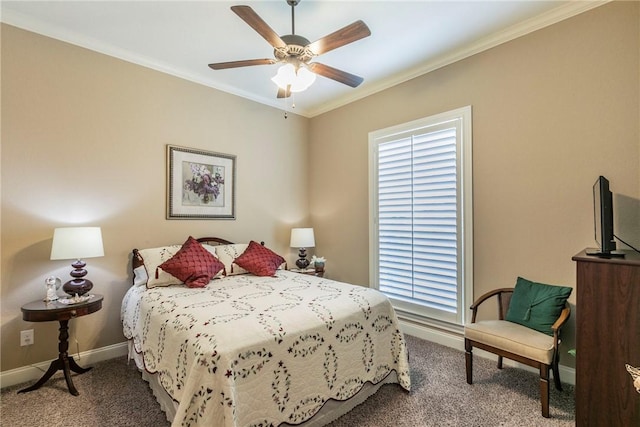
(200, 184)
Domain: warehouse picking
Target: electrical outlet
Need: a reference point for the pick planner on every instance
(26, 337)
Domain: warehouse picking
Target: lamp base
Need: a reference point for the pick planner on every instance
(302, 262)
(77, 287)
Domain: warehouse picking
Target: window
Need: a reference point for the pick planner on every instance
(421, 216)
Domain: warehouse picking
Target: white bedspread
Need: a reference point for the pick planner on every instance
(260, 351)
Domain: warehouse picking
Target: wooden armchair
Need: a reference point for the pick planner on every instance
(516, 342)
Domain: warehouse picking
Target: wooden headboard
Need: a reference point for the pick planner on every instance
(214, 241)
(137, 260)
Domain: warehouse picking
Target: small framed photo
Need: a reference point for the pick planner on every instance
(200, 184)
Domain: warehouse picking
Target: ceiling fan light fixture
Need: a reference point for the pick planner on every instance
(296, 81)
(305, 78)
(286, 74)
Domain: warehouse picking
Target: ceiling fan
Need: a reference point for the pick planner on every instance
(298, 51)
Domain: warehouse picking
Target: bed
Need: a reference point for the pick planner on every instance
(243, 347)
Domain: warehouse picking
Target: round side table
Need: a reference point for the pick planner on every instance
(42, 311)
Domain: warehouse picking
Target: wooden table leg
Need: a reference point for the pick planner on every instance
(64, 363)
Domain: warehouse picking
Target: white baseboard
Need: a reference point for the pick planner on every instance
(85, 358)
(449, 339)
(567, 374)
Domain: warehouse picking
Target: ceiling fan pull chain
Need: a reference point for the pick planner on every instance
(286, 113)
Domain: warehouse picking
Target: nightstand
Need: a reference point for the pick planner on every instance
(309, 271)
(42, 311)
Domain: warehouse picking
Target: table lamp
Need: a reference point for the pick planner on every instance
(77, 243)
(302, 238)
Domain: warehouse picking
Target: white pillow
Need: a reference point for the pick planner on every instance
(140, 276)
(212, 251)
(210, 248)
(152, 258)
(227, 254)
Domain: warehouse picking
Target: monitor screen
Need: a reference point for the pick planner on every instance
(603, 216)
(597, 213)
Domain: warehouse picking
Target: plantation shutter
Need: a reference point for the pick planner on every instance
(418, 219)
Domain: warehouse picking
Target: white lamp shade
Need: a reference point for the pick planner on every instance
(302, 238)
(77, 243)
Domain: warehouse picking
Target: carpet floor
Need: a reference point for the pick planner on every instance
(113, 394)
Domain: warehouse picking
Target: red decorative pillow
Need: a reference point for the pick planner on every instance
(259, 260)
(193, 264)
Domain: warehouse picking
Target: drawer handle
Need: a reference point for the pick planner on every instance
(74, 313)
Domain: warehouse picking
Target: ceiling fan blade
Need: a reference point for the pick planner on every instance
(245, 63)
(284, 93)
(335, 74)
(356, 31)
(250, 17)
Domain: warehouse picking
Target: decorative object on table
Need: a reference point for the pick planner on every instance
(77, 299)
(52, 283)
(318, 263)
(635, 374)
(200, 184)
(77, 243)
(302, 238)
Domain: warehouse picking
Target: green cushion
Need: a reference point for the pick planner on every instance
(537, 305)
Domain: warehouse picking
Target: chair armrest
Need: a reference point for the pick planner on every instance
(564, 316)
(483, 298)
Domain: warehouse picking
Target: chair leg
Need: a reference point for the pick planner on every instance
(468, 356)
(556, 372)
(544, 390)
(499, 362)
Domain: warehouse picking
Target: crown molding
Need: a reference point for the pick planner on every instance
(556, 15)
(28, 23)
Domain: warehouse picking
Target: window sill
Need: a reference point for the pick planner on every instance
(429, 323)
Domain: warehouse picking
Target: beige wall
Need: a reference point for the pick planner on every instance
(83, 142)
(84, 136)
(551, 111)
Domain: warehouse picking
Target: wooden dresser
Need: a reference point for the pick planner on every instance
(607, 337)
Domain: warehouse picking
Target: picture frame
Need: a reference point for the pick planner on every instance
(200, 184)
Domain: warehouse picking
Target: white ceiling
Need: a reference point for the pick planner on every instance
(408, 38)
